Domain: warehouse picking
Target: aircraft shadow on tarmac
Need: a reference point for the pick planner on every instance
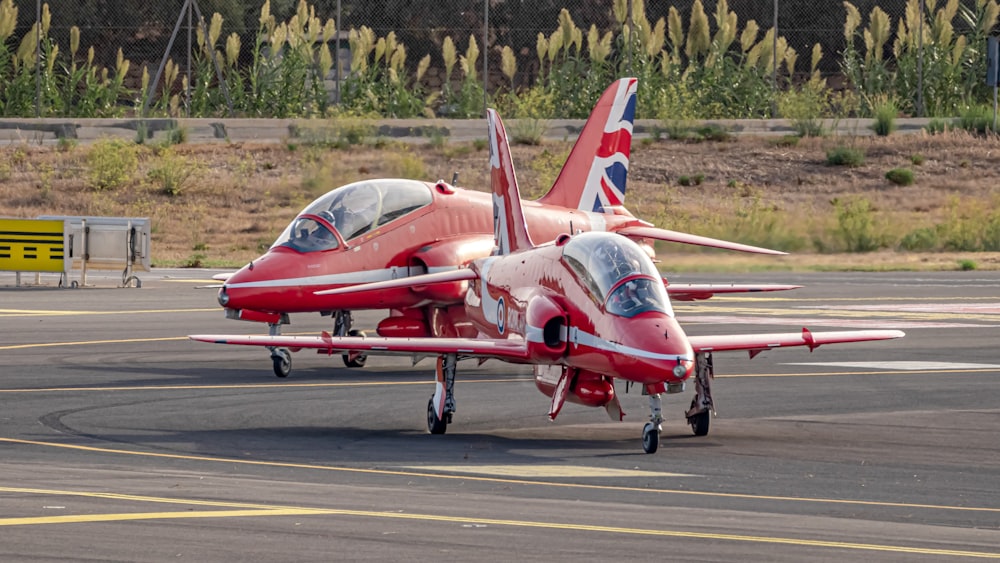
(364, 446)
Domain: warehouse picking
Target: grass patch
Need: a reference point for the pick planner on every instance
(843, 155)
(885, 117)
(528, 131)
(900, 176)
(692, 180)
(937, 126)
(786, 141)
(172, 173)
(111, 163)
(976, 119)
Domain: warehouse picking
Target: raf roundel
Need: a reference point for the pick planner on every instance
(501, 315)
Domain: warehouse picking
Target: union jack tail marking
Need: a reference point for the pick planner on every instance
(596, 171)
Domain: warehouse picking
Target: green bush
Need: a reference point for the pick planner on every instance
(786, 141)
(714, 132)
(976, 119)
(900, 176)
(937, 126)
(856, 225)
(111, 163)
(917, 159)
(843, 155)
(528, 131)
(694, 180)
(885, 117)
(920, 240)
(172, 173)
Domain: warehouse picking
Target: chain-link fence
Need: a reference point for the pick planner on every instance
(52, 73)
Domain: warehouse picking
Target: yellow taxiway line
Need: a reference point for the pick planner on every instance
(256, 511)
(502, 480)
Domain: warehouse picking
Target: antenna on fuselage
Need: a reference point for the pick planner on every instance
(454, 178)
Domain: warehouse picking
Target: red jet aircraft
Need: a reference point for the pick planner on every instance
(584, 310)
(377, 230)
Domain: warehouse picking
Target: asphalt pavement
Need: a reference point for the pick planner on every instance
(122, 440)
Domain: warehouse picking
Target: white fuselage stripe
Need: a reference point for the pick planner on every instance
(347, 278)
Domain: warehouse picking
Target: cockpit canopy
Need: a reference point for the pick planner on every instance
(353, 210)
(617, 272)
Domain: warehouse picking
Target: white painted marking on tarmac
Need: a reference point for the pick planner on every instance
(954, 308)
(902, 365)
(545, 471)
(825, 321)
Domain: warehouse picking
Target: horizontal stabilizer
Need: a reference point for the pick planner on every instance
(685, 238)
(511, 350)
(421, 280)
(699, 291)
(756, 343)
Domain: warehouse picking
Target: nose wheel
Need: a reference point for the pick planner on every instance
(650, 438)
(651, 431)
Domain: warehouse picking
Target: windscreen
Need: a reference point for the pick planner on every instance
(357, 208)
(353, 210)
(617, 272)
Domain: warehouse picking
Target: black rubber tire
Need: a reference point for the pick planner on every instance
(650, 438)
(700, 423)
(435, 425)
(359, 360)
(282, 364)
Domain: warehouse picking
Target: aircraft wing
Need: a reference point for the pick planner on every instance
(698, 291)
(511, 350)
(408, 281)
(674, 236)
(757, 343)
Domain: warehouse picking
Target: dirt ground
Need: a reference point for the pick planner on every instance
(232, 200)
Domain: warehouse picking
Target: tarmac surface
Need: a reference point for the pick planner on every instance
(121, 440)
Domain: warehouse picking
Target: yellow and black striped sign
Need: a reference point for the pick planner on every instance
(32, 245)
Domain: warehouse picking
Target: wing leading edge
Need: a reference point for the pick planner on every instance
(511, 350)
(699, 291)
(697, 240)
(757, 343)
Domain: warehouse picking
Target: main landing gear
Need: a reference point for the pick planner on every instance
(441, 405)
(699, 416)
(281, 358)
(342, 321)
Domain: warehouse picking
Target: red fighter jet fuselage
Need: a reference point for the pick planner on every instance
(285, 278)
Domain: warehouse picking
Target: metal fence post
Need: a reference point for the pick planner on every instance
(486, 53)
(774, 64)
(628, 38)
(38, 59)
(920, 63)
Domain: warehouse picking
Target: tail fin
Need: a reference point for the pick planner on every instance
(594, 175)
(510, 230)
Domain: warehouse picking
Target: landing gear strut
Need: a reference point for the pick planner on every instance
(342, 321)
(441, 405)
(281, 358)
(651, 432)
(699, 416)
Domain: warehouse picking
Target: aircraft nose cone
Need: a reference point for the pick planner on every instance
(656, 349)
